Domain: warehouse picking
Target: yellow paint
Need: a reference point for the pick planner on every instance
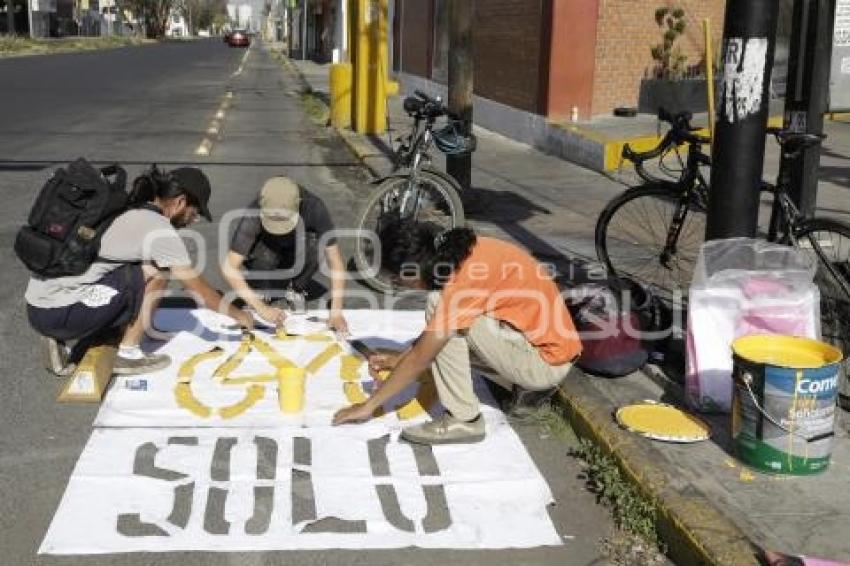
(425, 398)
(253, 394)
(612, 148)
(353, 392)
(349, 369)
(186, 399)
(662, 421)
(290, 389)
(746, 476)
(281, 334)
(242, 380)
(231, 363)
(786, 351)
(323, 358)
(274, 358)
(370, 61)
(340, 85)
(187, 369)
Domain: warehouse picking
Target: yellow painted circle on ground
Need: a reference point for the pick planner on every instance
(663, 422)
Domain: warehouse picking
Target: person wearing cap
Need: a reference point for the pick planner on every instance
(281, 232)
(114, 299)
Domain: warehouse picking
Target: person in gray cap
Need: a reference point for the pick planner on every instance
(115, 298)
(281, 232)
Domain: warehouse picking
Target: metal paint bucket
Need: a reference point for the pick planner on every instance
(783, 404)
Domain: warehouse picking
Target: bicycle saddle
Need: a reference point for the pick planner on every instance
(413, 105)
(793, 142)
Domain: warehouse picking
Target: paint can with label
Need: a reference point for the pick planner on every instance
(783, 405)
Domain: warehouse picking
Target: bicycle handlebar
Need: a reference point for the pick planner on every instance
(423, 96)
(681, 131)
(427, 106)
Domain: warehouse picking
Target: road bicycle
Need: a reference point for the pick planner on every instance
(415, 189)
(654, 231)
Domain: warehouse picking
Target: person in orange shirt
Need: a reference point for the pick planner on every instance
(490, 302)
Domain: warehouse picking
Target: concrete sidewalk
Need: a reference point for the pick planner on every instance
(711, 509)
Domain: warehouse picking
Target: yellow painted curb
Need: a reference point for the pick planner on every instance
(693, 529)
(612, 148)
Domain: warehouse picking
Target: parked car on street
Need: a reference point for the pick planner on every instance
(239, 38)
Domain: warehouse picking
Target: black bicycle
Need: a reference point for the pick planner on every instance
(415, 189)
(654, 231)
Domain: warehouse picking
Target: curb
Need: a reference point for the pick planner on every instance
(693, 529)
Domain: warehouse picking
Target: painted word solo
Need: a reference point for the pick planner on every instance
(305, 519)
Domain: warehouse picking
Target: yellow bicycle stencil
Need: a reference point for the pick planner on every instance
(255, 385)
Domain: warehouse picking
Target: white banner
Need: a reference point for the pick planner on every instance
(220, 468)
(157, 490)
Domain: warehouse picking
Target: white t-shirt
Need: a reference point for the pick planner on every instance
(138, 235)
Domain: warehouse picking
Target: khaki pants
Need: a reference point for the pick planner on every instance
(502, 354)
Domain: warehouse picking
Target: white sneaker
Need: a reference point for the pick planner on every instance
(446, 430)
(148, 363)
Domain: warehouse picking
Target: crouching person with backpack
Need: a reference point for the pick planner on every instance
(490, 304)
(113, 299)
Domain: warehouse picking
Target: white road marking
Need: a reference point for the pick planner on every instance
(205, 148)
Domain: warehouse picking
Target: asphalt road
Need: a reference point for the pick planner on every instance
(154, 104)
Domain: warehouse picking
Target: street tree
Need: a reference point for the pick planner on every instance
(154, 13)
(202, 14)
(10, 15)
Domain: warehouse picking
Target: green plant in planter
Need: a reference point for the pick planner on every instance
(669, 59)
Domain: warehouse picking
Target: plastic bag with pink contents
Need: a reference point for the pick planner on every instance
(743, 286)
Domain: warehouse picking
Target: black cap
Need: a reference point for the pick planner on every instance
(195, 184)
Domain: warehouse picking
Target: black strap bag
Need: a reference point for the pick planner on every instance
(70, 214)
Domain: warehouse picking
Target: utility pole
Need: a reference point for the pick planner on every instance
(460, 83)
(806, 98)
(749, 40)
(10, 16)
(304, 32)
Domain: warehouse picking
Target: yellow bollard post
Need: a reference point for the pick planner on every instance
(340, 83)
(370, 61)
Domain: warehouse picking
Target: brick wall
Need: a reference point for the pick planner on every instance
(627, 30)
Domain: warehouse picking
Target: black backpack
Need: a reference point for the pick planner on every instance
(71, 213)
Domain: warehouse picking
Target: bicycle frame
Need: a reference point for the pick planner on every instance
(414, 157)
(695, 191)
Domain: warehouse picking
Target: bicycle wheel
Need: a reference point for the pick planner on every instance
(633, 230)
(439, 204)
(830, 241)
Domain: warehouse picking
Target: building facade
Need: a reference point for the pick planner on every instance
(554, 58)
